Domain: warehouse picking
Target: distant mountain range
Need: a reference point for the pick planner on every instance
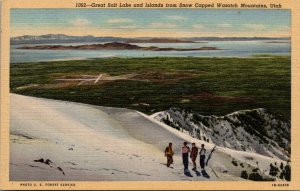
(61, 38)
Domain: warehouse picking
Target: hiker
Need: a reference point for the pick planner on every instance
(169, 154)
(185, 155)
(193, 155)
(202, 156)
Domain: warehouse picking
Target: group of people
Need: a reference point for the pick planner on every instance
(185, 150)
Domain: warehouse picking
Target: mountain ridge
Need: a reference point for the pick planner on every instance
(255, 130)
(62, 38)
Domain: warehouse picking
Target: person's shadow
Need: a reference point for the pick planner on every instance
(187, 173)
(197, 173)
(204, 173)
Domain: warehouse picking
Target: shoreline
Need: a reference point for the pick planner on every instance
(256, 56)
(114, 46)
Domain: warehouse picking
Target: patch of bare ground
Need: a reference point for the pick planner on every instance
(165, 77)
(70, 80)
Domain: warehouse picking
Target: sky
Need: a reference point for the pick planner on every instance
(151, 22)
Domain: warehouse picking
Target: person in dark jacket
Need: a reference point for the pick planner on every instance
(185, 155)
(202, 156)
(193, 155)
(169, 154)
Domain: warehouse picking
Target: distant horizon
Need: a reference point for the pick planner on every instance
(126, 23)
(152, 36)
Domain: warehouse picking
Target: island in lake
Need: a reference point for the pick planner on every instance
(160, 40)
(113, 46)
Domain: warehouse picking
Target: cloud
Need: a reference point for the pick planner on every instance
(127, 27)
(224, 25)
(163, 25)
(255, 26)
(198, 26)
(283, 29)
(177, 17)
(79, 22)
(120, 20)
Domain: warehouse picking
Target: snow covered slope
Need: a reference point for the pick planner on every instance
(248, 130)
(58, 140)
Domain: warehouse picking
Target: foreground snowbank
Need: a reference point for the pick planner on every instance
(85, 142)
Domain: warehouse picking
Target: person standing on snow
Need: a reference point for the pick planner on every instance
(193, 155)
(169, 154)
(185, 155)
(202, 156)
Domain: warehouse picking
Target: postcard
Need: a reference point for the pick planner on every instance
(159, 95)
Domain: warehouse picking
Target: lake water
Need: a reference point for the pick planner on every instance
(231, 49)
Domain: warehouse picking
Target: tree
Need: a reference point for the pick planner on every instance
(281, 176)
(255, 176)
(287, 174)
(244, 174)
(234, 163)
(273, 170)
(281, 166)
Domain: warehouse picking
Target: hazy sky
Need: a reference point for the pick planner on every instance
(150, 22)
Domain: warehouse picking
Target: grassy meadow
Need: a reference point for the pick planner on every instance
(207, 85)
